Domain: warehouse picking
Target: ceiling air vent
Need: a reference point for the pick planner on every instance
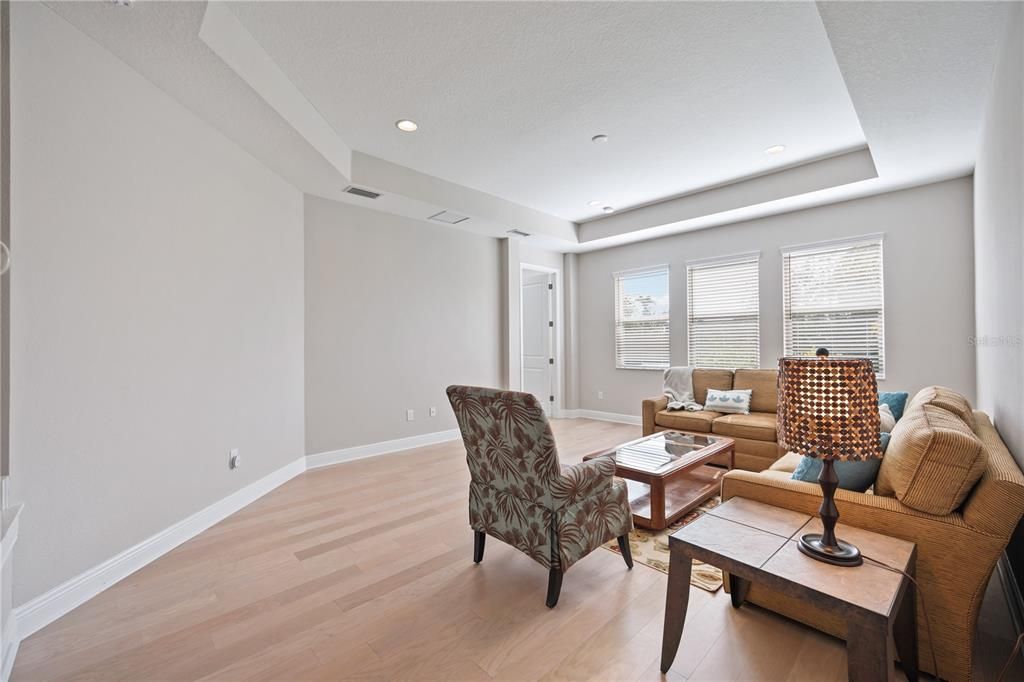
(517, 233)
(449, 217)
(360, 192)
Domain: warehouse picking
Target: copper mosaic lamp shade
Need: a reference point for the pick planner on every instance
(828, 409)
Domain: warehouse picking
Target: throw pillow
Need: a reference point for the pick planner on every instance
(933, 462)
(736, 401)
(858, 475)
(887, 420)
(895, 400)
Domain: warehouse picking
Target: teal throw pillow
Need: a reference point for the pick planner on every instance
(856, 475)
(895, 400)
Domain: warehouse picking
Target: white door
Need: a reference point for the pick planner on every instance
(538, 332)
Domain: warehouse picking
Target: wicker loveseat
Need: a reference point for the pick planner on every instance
(957, 551)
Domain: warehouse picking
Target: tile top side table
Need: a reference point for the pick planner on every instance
(757, 542)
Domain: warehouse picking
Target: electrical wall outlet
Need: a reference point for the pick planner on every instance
(410, 415)
(234, 459)
(433, 411)
(600, 395)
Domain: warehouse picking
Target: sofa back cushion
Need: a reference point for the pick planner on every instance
(703, 379)
(996, 503)
(933, 460)
(947, 399)
(764, 383)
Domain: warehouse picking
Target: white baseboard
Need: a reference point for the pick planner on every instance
(602, 416)
(323, 459)
(11, 643)
(49, 606)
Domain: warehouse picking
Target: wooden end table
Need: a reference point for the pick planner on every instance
(757, 543)
(668, 475)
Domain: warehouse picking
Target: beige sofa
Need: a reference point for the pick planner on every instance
(928, 492)
(756, 442)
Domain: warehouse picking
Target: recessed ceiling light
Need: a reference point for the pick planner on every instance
(608, 209)
(594, 203)
(406, 126)
(599, 139)
(775, 149)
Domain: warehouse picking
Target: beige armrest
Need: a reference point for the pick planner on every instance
(873, 512)
(651, 407)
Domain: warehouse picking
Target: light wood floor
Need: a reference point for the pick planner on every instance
(364, 570)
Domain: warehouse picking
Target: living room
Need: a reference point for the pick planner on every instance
(289, 288)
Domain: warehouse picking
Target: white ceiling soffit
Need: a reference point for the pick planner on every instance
(239, 50)
(834, 171)
(507, 95)
(161, 41)
(372, 172)
(918, 74)
(690, 94)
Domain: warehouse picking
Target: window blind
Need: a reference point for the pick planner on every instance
(641, 319)
(833, 297)
(723, 323)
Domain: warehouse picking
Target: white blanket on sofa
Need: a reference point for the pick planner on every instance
(679, 389)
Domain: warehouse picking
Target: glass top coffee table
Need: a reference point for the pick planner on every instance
(668, 474)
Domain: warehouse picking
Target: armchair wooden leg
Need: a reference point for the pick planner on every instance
(554, 586)
(478, 546)
(627, 555)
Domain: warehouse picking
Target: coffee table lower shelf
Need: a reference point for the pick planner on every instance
(682, 494)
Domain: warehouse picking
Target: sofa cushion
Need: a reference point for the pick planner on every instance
(755, 426)
(947, 399)
(887, 422)
(764, 386)
(703, 379)
(787, 463)
(933, 460)
(682, 420)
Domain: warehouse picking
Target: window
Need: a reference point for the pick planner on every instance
(833, 297)
(723, 325)
(641, 319)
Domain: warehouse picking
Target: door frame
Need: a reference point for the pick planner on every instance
(558, 340)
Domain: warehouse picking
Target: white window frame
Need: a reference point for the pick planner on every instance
(825, 247)
(722, 261)
(639, 272)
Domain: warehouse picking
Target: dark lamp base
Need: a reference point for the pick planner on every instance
(840, 554)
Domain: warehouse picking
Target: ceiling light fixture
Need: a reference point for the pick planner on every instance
(594, 203)
(406, 126)
(775, 149)
(600, 139)
(608, 209)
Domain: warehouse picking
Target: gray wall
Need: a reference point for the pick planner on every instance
(929, 289)
(999, 243)
(157, 307)
(396, 310)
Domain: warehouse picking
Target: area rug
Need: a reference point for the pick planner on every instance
(650, 547)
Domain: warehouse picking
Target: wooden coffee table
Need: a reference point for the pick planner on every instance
(758, 543)
(668, 474)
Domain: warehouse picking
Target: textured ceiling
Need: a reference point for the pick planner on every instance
(918, 73)
(508, 95)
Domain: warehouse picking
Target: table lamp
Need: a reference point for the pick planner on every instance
(828, 409)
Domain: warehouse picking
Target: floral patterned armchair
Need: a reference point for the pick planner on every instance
(521, 495)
